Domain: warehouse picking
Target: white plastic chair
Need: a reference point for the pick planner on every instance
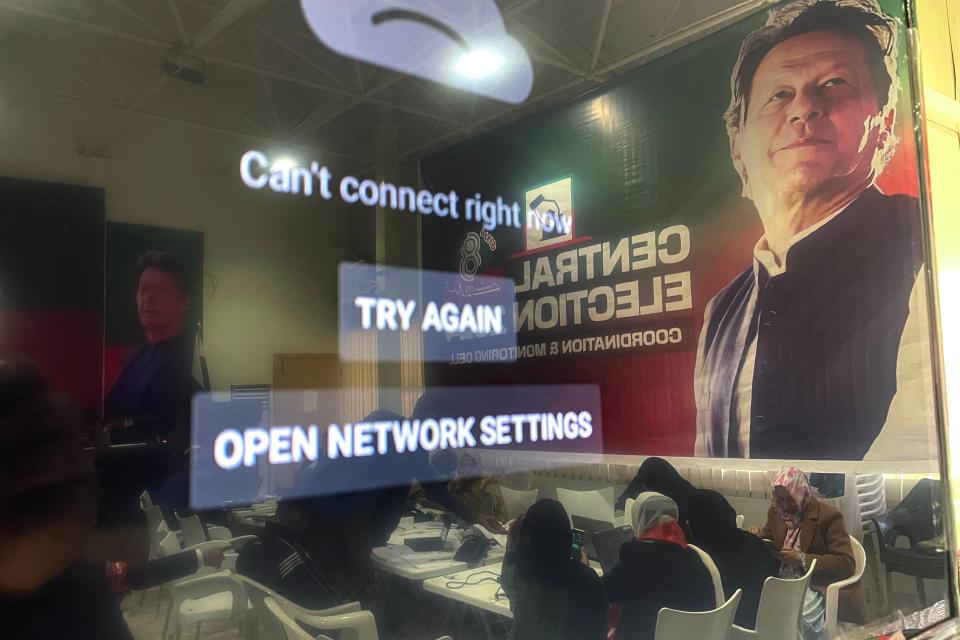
(833, 590)
(713, 571)
(740, 521)
(218, 532)
(193, 535)
(596, 504)
(258, 592)
(778, 616)
(193, 602)
(145, 500)
(293, 631)
(516, 502)
(157, 528)
(702, 625)
(192, 530)
(169, 545)
(360, 624)
(218, 596)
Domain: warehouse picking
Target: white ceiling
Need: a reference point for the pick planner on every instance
(271, 84)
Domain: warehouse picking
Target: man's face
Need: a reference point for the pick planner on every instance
(812, 117)
(160, 303)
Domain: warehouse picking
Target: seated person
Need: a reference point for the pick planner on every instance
(478, 491)
(420, 468)
(744, 561)
(656, 474)
(551, 594)
(48, 505)
(805, 529)
(278, 560)
(657, 569)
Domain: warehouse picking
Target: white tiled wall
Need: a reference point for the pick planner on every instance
(748, 490)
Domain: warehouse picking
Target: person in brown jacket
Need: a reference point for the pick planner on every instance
(805, 529)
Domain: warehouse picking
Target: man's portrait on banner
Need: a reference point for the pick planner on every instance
(798, 356)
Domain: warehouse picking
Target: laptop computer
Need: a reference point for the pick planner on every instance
(590, 526)
(607, 544)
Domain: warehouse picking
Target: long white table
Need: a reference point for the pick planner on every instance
(422, 566)
(478, 587)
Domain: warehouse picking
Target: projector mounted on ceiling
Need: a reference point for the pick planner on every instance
(184, 66)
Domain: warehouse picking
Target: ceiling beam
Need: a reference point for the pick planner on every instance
(44, 53)
(175, 12)
(476, 125)
(180, 122)
(666, 21)
(84, 22)
(322, 115)
(644, 54)
(601, 34)
(298, 54)
(557, 64)
(689, 33)
(106, 69)
(267, 92)
(233, 12)
(546, 46)
(276, 74)
(139, 18)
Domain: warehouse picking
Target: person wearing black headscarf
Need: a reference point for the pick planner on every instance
(741, 557)
(551, 594)
(656, 474)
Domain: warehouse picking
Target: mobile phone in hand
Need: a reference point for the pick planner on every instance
(577, 537)
(772, 548)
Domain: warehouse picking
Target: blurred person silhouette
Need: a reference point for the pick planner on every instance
(479, 491)
(552, 595)
(48, 506)
(432, 405)
(384, 485)
(804, 529)
(743, 560)
(657, 569)
(658, 475)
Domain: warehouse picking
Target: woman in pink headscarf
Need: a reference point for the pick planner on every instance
(805, 529)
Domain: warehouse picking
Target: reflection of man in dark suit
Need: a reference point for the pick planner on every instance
(798, 355)
(152, 394)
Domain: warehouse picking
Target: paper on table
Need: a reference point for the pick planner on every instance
(392, 552)
(399, 553)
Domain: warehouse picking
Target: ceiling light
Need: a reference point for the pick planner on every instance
(283, 163)
(479, 63)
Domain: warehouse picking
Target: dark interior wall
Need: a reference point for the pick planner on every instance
(52, 282)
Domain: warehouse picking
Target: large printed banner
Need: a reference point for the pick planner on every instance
(727, 241)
